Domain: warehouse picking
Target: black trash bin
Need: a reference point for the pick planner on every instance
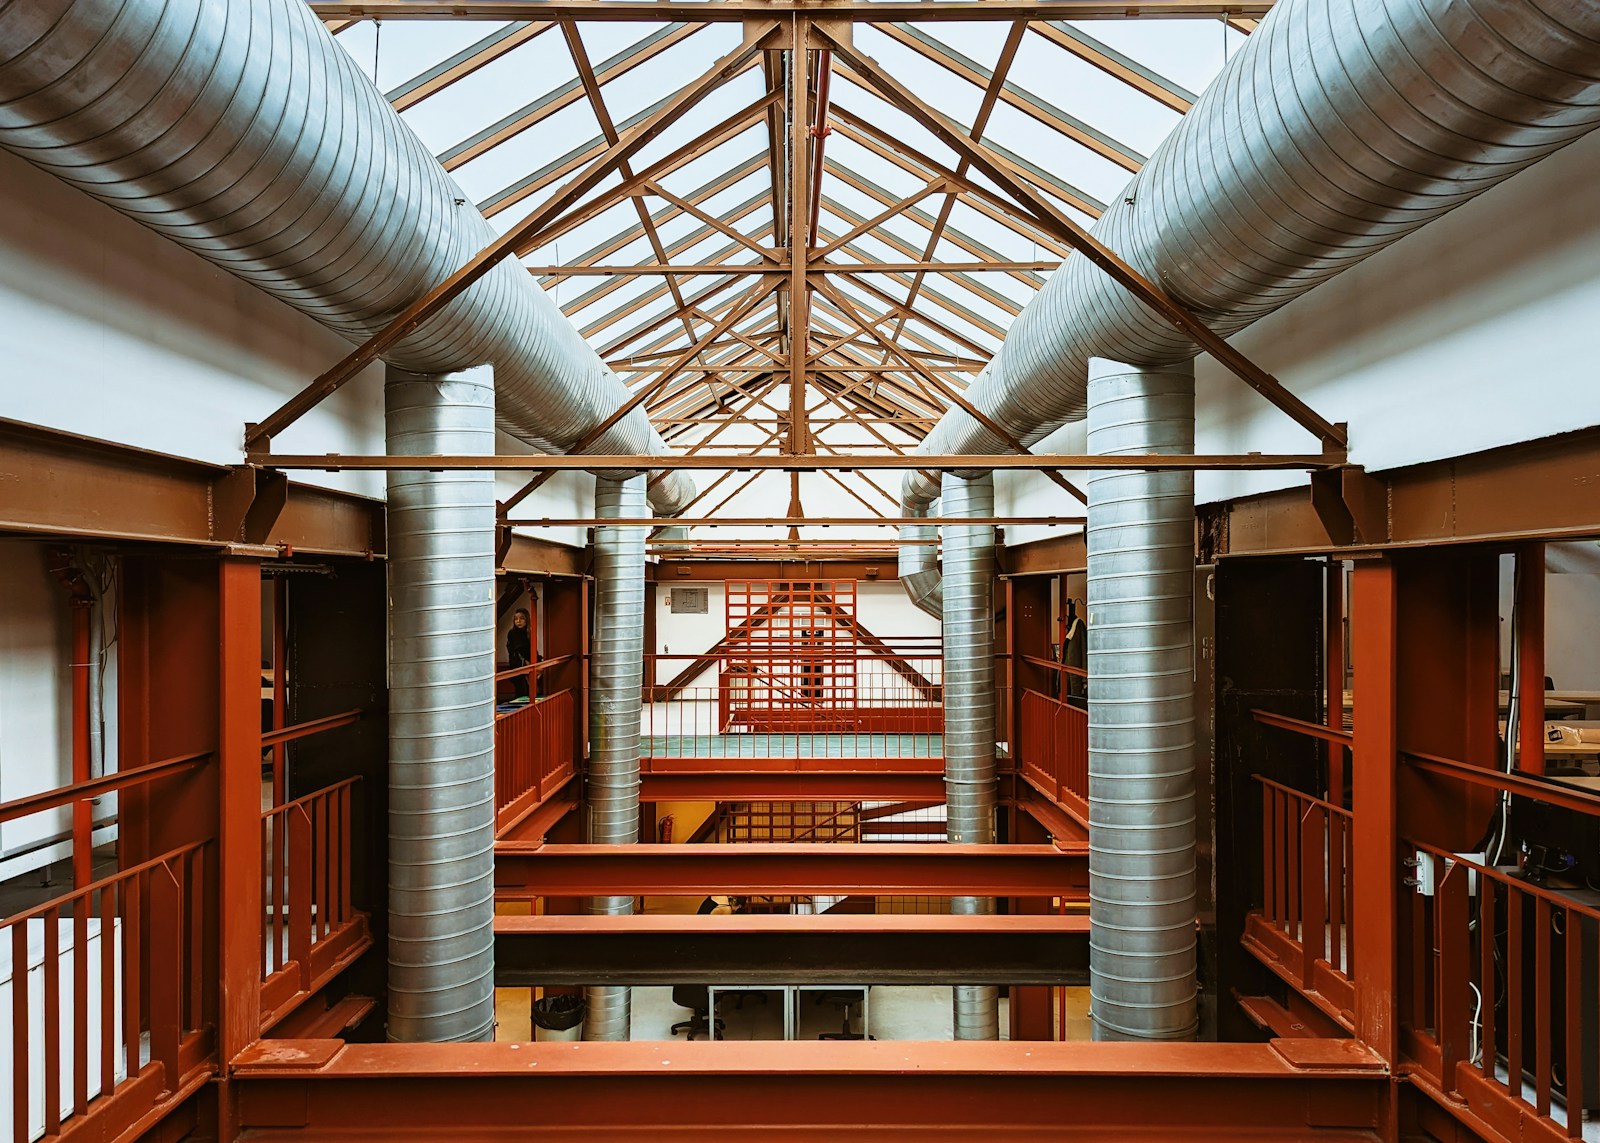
(558, 1018)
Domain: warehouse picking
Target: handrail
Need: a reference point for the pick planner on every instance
(311, 726)
(1554, 896)
(1301, 726)
(301, 802)
(106, 882)
(1311, 799)
(105, 784)
(1051, 664)
(533, 668)
(1548, 790)
(533, 701)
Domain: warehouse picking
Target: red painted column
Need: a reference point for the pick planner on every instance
(239, 907)
(83, 808)
(1375, 864)
(1333, 709)
(1530, 658)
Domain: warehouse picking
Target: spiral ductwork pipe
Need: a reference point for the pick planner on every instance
(245, 134)
(616, 672)
(919, 566)
(969, 768)
(441, 712)
(1141, 708)
(1338, 128)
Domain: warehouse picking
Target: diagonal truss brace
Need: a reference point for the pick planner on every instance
(413, 316)
(1333, 437)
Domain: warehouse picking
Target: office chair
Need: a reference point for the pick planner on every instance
(846, 1001)
(696, 998)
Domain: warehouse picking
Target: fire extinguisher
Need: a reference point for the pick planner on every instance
(664, 830)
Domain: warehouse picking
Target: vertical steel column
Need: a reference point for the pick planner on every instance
(441, 712)
(1375, 859)
(1529, 698)
(1141, 708)
(239, 858)
(969, 771)
(616, 670)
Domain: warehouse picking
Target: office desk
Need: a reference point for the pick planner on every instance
(1590, 700)
(791, 1000)
(1570, 749)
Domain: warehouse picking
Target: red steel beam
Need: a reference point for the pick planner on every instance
(868, 869)
(807, 1090)
(673, 924)
(795, 785)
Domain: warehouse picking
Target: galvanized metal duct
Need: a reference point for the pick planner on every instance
(441, 712)
(244, 133)
(616, 671)
(969, 770)
(919, 566)
(1140, 541)
(1338, 128)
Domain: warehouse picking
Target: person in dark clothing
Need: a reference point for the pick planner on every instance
(519, 649)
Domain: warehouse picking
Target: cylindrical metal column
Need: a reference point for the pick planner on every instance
(441, 712)
(616, 657)
(1141, 708)
(970, 785)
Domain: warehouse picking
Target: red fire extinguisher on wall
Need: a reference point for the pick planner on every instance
(664, 830)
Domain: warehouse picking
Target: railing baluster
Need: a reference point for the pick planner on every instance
(1454, 1004)
(133, 930)
(1486, 989)
(1335, 880)
(50, 1009)
(80, 1002)
(1514, 997)
(1313, 935)
(21, 1023)
(346, 853)
(324, 868)
(110, 942)
(1542, 918)
(194, 865)
(300, 893)
(166, 972)
(1579, 1074)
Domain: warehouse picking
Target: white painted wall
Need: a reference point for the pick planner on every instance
(116, 333)
(109, 331)
(1475, 332)
(36, 708)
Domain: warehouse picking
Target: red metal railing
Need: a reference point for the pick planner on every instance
(1307, 910)
(727, 722)
(307, 850)
(1505, 990)
(533, 754)
(105, 989)
(1052, 749)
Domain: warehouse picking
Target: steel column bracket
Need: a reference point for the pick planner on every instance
(246, 503)
(1352, 505)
